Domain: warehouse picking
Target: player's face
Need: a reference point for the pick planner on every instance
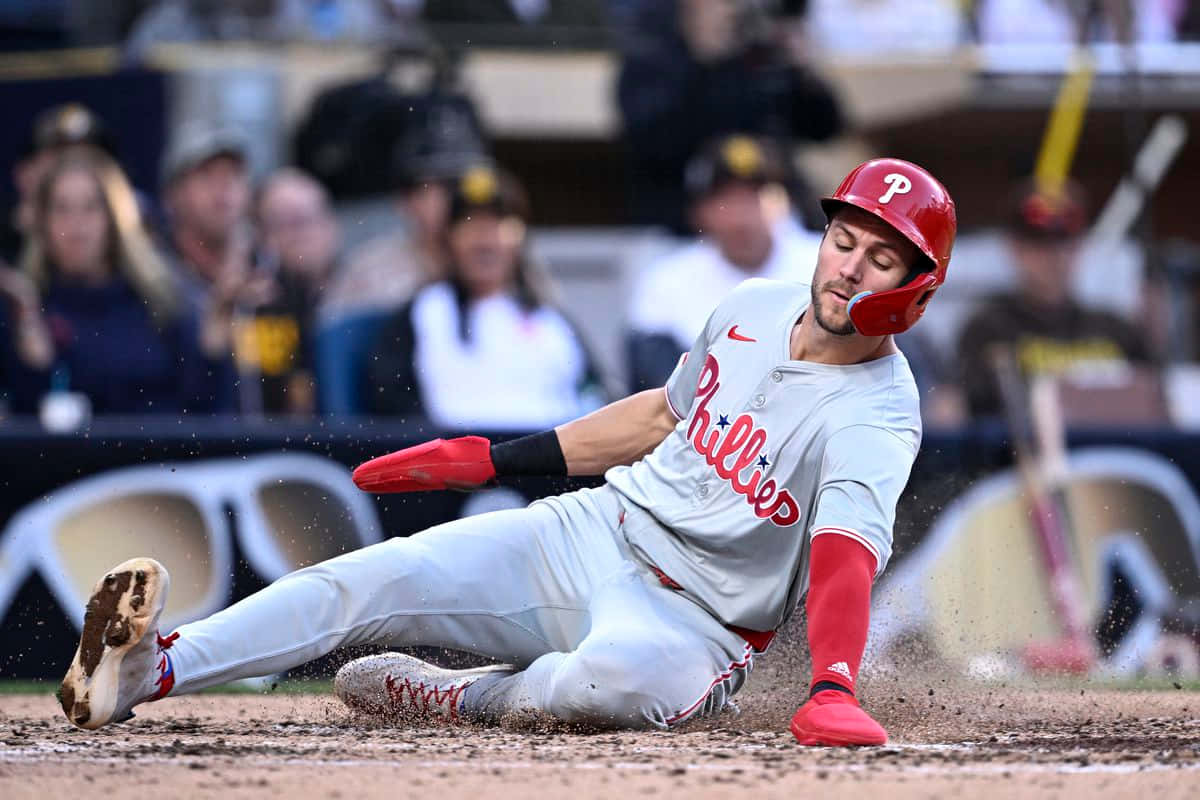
(859, 253)
(485, 249)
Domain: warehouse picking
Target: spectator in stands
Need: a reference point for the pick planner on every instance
(484, 348)
(109, 322)
(302, 239)
(702, 69)
(382, 274)
(207, 194)
(746, 231)
(207, 191)
(1048, 331)
(56, 132)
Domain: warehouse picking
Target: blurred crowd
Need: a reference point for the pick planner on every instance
(855, 25)
(218, 291)
(244, 300)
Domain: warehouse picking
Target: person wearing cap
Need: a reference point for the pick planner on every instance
(207, 191)
(384, 271)
(56, 131)
(746, 231)
(484, 347)
(381, 275)
(206, 186)
(1048, 330)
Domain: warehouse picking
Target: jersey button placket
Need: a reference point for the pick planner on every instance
(760, 400)
(777, 376)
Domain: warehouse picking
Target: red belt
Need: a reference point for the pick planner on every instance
(759, 640)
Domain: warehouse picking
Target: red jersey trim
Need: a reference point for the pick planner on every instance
(671, 405)
(733, 667)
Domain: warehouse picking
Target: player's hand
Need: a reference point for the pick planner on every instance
(464, 463)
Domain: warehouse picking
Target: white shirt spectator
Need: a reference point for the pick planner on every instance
(676, 294)
(518, 369)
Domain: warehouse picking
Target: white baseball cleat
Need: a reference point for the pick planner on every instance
(403, 688)
(121, 660)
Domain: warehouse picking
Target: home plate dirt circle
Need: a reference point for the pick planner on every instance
(989, 741)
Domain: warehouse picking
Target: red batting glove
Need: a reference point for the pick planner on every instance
(462, 463)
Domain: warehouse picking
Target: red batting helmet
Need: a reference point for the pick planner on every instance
(913, 202)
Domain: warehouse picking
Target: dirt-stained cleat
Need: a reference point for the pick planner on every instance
(121, 660)
(401, 688)
(834, 719)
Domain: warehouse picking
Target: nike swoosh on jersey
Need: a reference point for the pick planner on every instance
(737, 337)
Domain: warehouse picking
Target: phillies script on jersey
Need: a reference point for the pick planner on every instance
(743, 441)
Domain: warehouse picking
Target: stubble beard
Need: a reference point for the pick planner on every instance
(822, 315)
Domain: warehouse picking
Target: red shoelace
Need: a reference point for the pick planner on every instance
(402, 692)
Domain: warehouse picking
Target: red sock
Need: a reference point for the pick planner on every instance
(839, 607)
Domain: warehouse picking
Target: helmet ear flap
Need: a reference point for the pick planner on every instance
(893, 311)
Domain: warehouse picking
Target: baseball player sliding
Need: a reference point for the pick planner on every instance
(769, 468)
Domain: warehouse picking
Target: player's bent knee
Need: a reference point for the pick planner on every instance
(608, 689)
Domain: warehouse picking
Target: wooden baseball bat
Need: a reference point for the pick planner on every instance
(1035, 424)
(1061, 137)
(1038, 438)
(1136, 187)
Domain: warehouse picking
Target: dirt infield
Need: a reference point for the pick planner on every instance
(989, 742)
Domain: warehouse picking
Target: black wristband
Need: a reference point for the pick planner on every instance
(536, 454)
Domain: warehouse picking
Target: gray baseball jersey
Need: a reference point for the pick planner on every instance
(768, 453)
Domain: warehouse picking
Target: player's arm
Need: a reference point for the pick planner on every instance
(619, 433)
(863, 471)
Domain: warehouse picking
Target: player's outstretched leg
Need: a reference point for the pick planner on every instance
(121, 659)
(401, 688)
(480, 584)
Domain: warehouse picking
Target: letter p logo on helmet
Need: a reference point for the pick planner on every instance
(897, 184)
